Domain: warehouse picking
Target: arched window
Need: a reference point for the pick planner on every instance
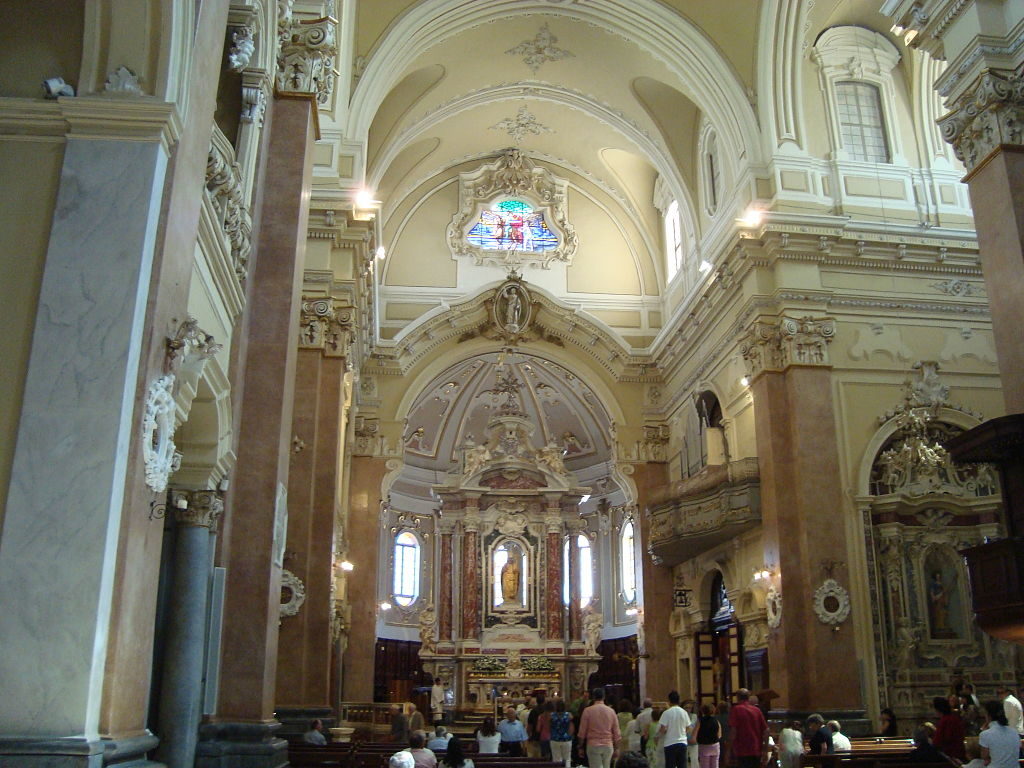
(406, 584)
(714, 173)
(585, 574)
(673, 240)
(627, 562)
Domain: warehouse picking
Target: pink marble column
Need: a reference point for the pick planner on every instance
(553, 606)
(575, 614)
(444, 608)
(251, 539)
(472, 575)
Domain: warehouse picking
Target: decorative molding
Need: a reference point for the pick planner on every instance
(296, 594)
(225, 188)
(122, 82)
(190, 344)
(773, 607)
(831, 603)
(525, 122)
(204, 508)
(776, 345)
(956, 287)
(158, 451)
(988, 114)
(513, 174)
(539, 50)
(244, 46)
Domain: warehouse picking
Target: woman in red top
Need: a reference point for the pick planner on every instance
(949, 731)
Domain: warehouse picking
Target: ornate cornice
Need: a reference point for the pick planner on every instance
(774, 345)
(225, 189)
(989, 114)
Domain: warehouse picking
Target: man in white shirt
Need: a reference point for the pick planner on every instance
(437, 702)
(315, 734)
(643, 723)
(839, 741)
(1012, 708)
(674, 726)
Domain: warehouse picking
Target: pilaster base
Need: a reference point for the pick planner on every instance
(852, 722)
(295, 720)
(78, 753)
(241, 745)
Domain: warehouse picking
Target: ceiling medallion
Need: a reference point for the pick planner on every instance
(525, 122)
(832, 603)
(539, 50)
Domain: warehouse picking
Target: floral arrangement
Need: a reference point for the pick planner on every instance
(538, 664)
(488, 664)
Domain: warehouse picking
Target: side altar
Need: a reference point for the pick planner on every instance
(505, 623)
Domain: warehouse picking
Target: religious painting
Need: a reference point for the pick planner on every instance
(943, 597)
(512, 225)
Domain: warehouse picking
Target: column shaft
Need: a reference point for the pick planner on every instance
(554, 608)
(799, 461)
(658, 672)
(447, 566)
(255, 545)
(72, 457)
(181, 688)
(471, 578)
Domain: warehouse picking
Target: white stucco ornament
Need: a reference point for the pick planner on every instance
(295, 591)
(831, 603)
(158, 451)
(773, 607)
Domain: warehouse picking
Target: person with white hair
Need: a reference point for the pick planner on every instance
(402, 759)
(839, 741)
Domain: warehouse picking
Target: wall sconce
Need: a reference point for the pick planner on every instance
(385, 606)
(158, 511)
(744, 381)
(631, 611)
(345, 565)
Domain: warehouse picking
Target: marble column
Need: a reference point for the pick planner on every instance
(314, 485)
(181, 686)
(79, 416)
(364, 526)
(447, 567)
(794, 421)
(554, 608)
(658, 671)
(255, 534)
(472, 575)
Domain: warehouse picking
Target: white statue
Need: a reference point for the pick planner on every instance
(476, 457)
(427, 621)
(551, 456)
(592, 624)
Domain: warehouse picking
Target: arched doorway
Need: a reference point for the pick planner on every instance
(719, 648)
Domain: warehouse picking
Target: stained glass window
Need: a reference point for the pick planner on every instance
(512, 225)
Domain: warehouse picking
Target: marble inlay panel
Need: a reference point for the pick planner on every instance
(64, 505)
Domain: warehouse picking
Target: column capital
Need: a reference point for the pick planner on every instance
(988, 114)
(774, 344)
(325, 323)
(305, 59)
(201, 509)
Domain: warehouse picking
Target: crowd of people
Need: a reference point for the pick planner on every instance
(682, 735)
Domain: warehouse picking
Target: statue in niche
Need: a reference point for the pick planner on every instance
(428, 618)
(938, 607)
(513, 308)
(511, 578)
(592, 624)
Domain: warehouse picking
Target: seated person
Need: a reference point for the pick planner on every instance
(422, 757)
(839, 741)
(439, 739)
(924, 751)
(401, 760)
(315, 734)
(453, 757)
(820, 742)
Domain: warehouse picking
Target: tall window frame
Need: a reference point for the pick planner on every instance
(586, 570)
(627, 562)
(406, 567)
(673, 241)
(712, 169)
(857, 56)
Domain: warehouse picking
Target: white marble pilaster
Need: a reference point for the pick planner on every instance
(60, 530)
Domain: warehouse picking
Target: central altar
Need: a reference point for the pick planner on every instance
(509, 625)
